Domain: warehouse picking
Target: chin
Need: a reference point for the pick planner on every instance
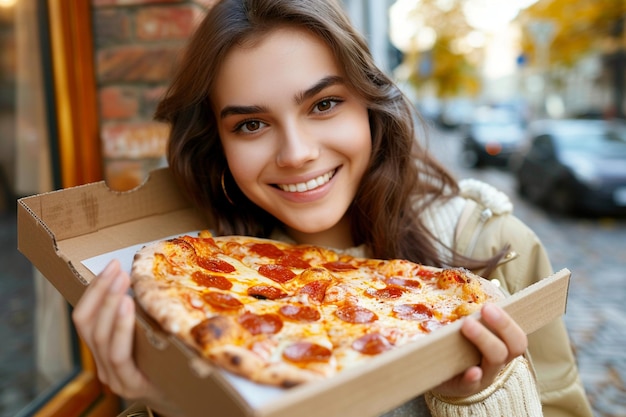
(311, 228)
(320, 226)
(315, 221)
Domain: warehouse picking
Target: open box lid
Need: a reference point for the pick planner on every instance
(58, 230)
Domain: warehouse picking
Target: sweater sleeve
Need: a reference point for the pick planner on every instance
(513, 393)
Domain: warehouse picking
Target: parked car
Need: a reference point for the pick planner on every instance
(491, 138)
(575, 165)
(454, 113)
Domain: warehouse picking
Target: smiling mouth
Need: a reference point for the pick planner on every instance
(309, 185)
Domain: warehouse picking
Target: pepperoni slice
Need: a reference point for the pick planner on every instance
(430, 325)
(293, 261)
(338, 266)
(206, 244)
(307, 352)
(266, 292)
(449, 277)
(403, 282)
(221, 300)
(371, 344)
(267, 249)
(165, 264)
(387, 293)
(207, 241)
(300, 313)
(355, 314)
(425, 273)
(277, 273)
(315, 289)
(215, 265)
(208, 280)
(183, 245)
(261, 323)
(417, 312)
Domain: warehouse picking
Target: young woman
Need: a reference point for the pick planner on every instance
(283, 127)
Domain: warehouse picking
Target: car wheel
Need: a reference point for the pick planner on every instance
(561, 200)
(469, 158)
(522, 191)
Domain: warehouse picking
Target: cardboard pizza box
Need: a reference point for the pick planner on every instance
(60, 231)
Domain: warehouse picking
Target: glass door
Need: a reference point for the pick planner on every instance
(50, 140)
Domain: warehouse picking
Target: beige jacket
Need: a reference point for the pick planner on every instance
(483, 223)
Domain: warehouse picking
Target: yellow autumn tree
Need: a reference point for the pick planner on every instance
(443, 64)
(580, 27)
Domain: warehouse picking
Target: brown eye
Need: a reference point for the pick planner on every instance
(324, 105)
(251, 126)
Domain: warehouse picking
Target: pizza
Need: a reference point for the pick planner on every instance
(283, 314)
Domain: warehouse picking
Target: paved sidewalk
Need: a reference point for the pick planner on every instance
(17, 365)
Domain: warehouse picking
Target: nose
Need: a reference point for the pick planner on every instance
(296, 147)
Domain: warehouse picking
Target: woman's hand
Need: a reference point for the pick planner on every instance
(499, 340)
(105, 320)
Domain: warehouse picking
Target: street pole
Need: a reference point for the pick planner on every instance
(542, 33)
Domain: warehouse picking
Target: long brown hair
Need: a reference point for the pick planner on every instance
(402, 179)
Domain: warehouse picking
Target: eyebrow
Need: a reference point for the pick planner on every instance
(232, 110)
(319, 86)
(300, 97)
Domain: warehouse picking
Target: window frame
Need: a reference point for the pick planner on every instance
(73, 125)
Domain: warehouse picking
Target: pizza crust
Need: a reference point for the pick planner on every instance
(493, 292)
(163, 301)
(245, 363)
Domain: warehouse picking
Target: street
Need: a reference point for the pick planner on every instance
(594, 250)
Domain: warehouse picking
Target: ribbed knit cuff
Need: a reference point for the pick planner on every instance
(513, 393)
(137, 409)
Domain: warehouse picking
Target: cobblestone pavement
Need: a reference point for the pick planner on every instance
(594, 250)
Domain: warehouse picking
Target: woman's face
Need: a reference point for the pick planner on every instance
(296, 138)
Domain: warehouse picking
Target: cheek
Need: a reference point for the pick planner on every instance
(245, 161)
(356, 139)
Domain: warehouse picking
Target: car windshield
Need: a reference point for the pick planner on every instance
(594, 141)
(503, 129)
(498, 124)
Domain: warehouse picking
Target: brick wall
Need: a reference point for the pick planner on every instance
(137, 43)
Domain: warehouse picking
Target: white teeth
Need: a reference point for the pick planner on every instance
(309, 185)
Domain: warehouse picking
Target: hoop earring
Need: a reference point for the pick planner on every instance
(224, 188)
